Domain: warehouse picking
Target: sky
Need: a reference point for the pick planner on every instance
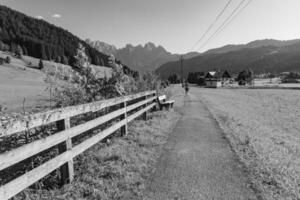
(175, 24)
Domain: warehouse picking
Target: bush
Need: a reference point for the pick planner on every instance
(8, 59)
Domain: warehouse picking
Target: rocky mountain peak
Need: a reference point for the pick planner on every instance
(141, 57)
(149, 46)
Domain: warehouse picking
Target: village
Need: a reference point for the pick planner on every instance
(245, 78)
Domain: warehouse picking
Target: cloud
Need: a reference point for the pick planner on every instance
(39, 17)
(56, 16)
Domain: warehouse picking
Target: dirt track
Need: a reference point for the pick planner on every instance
(198, 162)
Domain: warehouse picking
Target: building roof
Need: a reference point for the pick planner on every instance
(218, 74)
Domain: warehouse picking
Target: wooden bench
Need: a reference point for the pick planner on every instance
(161, 100)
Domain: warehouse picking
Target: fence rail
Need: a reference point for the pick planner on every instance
(63, 139)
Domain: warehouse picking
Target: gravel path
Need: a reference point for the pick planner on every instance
(197, 162)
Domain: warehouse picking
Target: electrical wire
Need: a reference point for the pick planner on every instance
(228, 20)
(212, 24)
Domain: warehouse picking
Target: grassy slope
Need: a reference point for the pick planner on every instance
(17, 81)
(119, 168)
(263, 129)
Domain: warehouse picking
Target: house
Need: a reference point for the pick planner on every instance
(226, 78)
(214, 79)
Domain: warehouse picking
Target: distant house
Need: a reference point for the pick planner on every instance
(226, 78)
(214, 79)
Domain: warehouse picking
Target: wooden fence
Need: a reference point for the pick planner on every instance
(124, 113)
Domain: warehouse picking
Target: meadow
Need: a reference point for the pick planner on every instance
(263, 128)
(23, 86)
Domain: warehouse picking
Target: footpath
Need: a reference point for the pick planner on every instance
(197, 162)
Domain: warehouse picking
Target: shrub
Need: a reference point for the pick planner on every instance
(8, 59)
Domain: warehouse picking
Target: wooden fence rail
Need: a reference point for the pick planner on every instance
(63, 139)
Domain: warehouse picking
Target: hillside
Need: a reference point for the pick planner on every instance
(253, 44)
(263, 58)
(141, 58)
(19, 82)
(40, 39)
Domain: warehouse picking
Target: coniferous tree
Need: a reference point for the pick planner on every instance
(65, 60)
(25, 52)
(2, 46)
(13, 48)
(41, 65)
(43, 52)
(19, 51)
(58, 59)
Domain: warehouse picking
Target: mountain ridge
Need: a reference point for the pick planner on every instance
(252, 44)
(143, 58)
(262, 56)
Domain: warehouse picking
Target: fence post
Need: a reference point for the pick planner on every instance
(124, 116)
(66, 170)
(145, 113)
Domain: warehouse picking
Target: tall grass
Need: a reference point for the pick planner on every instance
(117, 168)
(263, 129)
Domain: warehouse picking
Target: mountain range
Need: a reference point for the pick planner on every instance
(142, 58)
(262, 56)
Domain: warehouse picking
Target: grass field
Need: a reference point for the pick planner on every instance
(19, 82)
(263, 127)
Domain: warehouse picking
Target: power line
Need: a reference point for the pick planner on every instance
(211, 25)
(228, 20)
(215, 35)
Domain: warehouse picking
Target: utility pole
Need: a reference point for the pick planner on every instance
(181, 65)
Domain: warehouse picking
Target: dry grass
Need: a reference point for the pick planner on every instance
(263, 128)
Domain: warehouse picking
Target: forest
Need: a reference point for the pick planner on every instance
(40, 39)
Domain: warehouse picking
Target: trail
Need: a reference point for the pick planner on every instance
(197, 162)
